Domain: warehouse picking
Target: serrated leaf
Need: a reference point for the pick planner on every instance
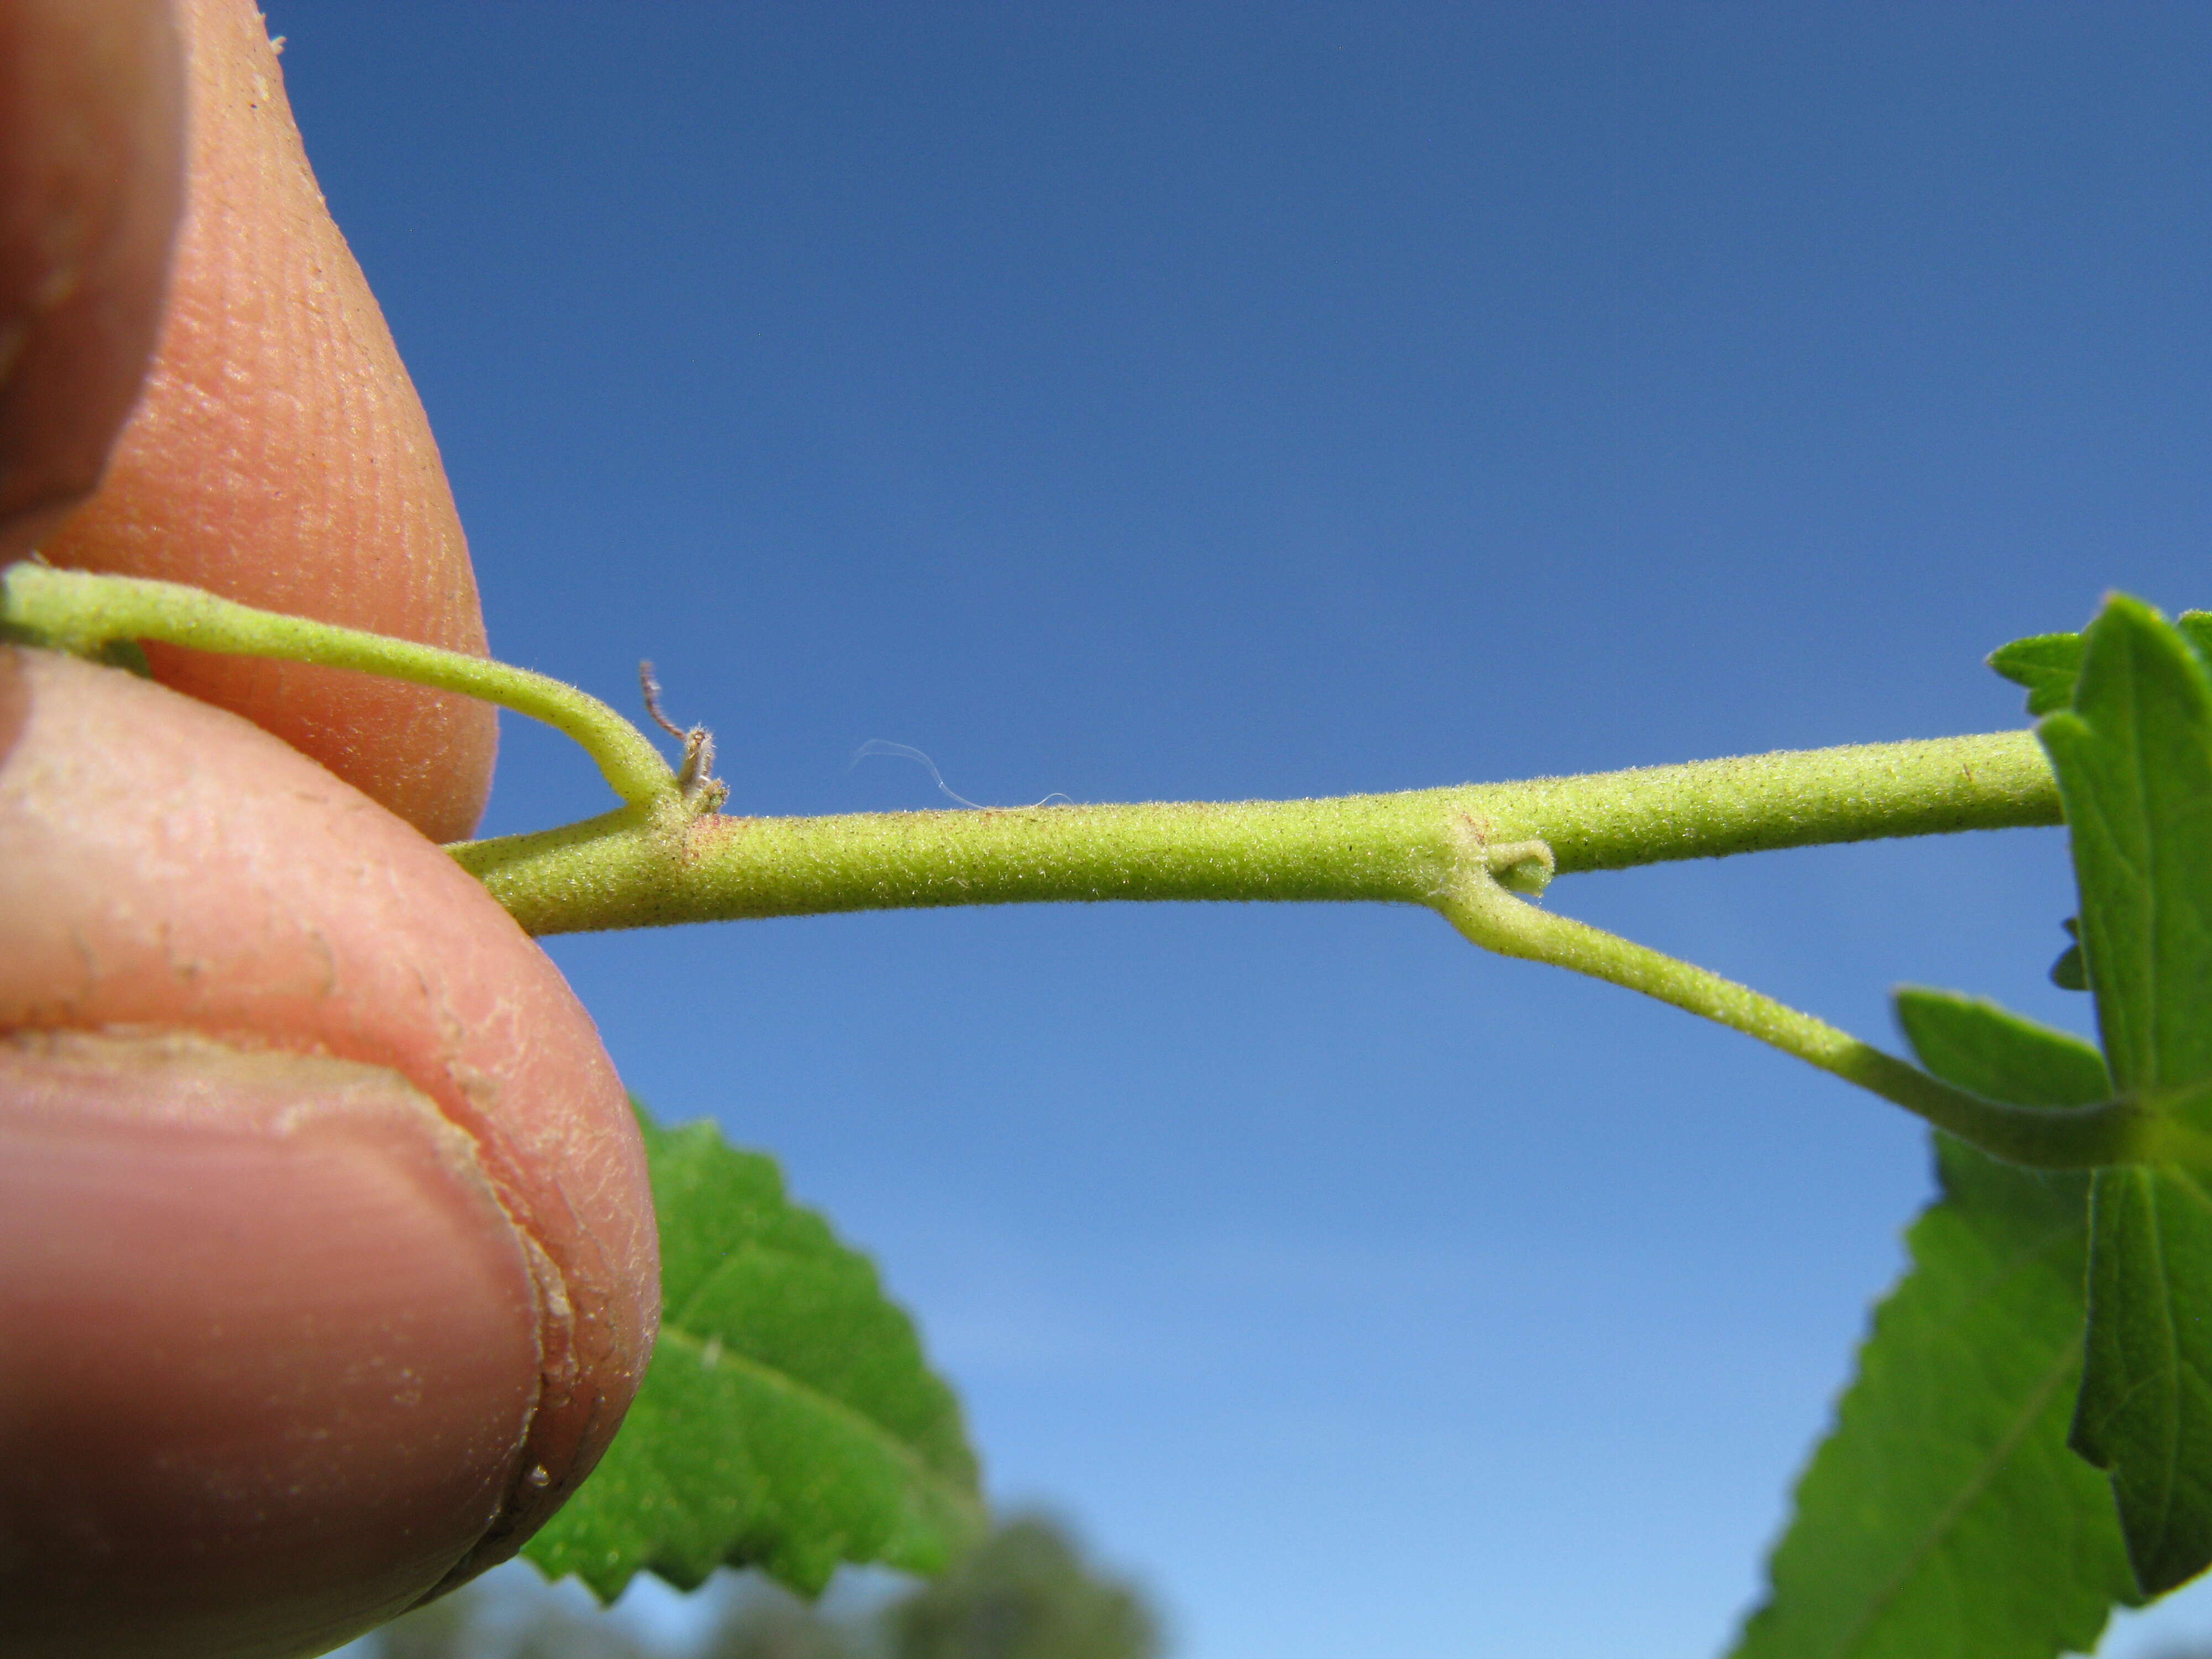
(2047, 664)
(788, 1420)
(1944, 1517)
(2133, 756)
(2145, 1415)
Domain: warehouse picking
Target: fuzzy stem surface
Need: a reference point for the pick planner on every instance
(75, 611)
(664, 856)
(2120, 1131)
(623, 871)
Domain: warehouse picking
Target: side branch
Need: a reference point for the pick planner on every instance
(2119, 1131)
(75, 611)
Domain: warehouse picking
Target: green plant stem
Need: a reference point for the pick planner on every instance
(74, 610)
(619, 870)
(666, 857)
(647, 865)
(2121, 1130)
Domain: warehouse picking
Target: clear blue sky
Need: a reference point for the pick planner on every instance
(1196, 399)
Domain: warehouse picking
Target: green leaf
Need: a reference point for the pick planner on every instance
(2146, 1409)
(2134, 761)
(788, 1420)
(2133, 756)
(2048, 662)
(1944, 1517)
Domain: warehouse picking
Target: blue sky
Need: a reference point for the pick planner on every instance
(1208, 400)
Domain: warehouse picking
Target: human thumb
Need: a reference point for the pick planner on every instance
(327, 1265)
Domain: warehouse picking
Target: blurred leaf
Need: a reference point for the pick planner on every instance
(2069, 973)
(788, 1418)
(1944, 1517)
(2133, 755)
(2048, 662)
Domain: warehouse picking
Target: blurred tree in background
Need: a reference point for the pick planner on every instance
(477, 1623)
(1025, 1594)
(765, 1623)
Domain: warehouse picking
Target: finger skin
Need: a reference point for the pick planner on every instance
(284, 1340)
(280, 456)
(90, 180)
(166, 868)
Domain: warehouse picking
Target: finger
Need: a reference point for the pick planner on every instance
(326, 1257)
(202, 1456)
(90, 180)
(280, 455)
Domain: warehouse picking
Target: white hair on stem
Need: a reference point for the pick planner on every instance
(875, 747)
